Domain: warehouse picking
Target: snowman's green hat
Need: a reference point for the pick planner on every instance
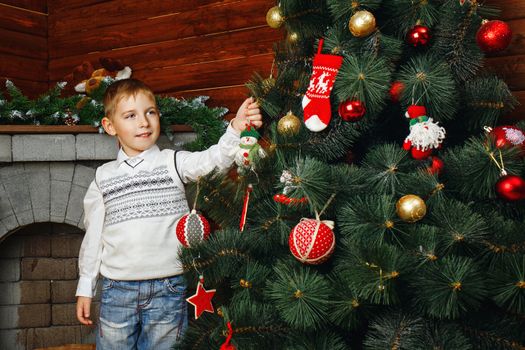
(250, 131)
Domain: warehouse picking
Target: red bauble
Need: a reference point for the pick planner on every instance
(352, 111)
(509, 136)
(192, 228)
(311, 246)
(418, 36)
(511, 188)
(437, 166)
(396, 91)
(494, 36)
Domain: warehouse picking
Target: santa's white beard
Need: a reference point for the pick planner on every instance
(425, 135)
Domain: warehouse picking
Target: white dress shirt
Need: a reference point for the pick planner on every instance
(132, 207)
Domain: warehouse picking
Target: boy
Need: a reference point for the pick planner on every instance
(131, 209)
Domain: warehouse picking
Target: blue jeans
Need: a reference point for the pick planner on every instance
(142, 315)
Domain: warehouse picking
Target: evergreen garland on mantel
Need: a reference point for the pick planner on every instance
(52, 109)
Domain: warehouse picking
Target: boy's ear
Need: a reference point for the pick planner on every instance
(108, 126)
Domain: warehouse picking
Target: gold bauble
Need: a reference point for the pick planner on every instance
(292, 37)
(274, 17)
(411, 208)
(362, 23)
(289, 124)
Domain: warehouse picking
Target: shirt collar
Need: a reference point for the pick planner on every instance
(146, 155)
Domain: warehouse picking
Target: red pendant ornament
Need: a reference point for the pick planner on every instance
(509, 136)
(192, 229)
(437, 166)
(246, 201)
(418, 36)
(227, 345)
(396, 91)
(201, 300)
(352, 111)
(312, 241)
(511, 188)
(494, 36)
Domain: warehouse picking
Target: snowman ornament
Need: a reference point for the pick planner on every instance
(249, 150)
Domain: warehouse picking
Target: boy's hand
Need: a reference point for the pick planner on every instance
(248, 113)
(83, 310)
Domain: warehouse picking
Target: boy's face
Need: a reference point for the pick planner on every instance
(135, 122)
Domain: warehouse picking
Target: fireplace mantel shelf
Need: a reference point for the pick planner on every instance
(63, 143)
(66, 129)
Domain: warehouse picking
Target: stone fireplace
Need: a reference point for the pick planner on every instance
(43, 179)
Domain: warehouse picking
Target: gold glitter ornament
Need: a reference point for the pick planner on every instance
(274, 17)
(292, 37)
(362, 24)
(411, 208)
(289, 124)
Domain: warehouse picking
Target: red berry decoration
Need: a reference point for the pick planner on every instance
(511, 188)
(396, 91)
(312, 241)
(192, 229)
(437, 166)
(494, 36)
(278, 198)
(509, 136)
(352, 111)
(418, 36)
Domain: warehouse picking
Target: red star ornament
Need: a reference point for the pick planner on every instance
(201, 300)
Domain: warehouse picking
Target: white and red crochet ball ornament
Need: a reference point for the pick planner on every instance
(509, 136)
(192, 229)
(312, 241)
(425, 134)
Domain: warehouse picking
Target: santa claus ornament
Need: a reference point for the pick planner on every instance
(316, 101)
(312, 241)
(425, 134)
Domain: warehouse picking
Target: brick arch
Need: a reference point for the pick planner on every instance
(34, 192)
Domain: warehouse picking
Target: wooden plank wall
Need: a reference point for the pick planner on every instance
(179, 47)
(23, 45)
(510, 64)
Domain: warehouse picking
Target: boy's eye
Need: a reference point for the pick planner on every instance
(152, 112)
(131, 115)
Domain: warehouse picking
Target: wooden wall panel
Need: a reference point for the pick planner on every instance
(510, 64)
(23, 45)
(180, 48)
(31, 5)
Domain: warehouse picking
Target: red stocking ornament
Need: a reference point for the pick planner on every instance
(316, 101)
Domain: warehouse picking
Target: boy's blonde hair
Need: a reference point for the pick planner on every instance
(124, 88)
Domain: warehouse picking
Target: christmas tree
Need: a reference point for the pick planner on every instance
(387, 210)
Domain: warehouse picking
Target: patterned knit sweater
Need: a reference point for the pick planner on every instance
(132, 207)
